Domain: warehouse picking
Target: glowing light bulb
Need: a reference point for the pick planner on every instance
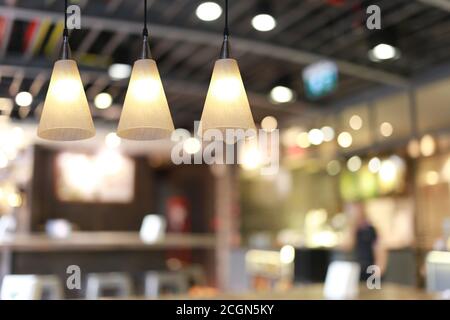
(103, 100)
(282, 94)
(345, 139)
(264, 22)
(315, 137)
(24, 99)
(287, 254)
(112, 140)
(192, 146)
(355, 122)
(208, 11)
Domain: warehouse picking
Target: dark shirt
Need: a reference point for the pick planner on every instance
(366, 237)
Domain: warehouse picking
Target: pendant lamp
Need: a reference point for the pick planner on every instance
(66, 115)
(226, 105)
(145, 114)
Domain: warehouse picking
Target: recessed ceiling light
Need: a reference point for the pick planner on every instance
(119, 71)
(24, 99)
(103, 100)
(208, 11)
(264, 22)
(383, 52)
(282, 94)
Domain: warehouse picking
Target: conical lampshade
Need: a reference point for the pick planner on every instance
(226, 105)
(66, 115)
(145, 114)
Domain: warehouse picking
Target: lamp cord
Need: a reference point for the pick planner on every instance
(145, 30)
(226, 30)
(66, 30)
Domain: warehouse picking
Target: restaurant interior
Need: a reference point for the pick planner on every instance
(110, 189)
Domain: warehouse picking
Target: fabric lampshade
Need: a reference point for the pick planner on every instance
(145, 114)
(226, 105)
(66, 115)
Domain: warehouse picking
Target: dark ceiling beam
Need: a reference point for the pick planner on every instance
(208, 38)
(441, 4)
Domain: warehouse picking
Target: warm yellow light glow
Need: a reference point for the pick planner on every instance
(302, 140)
(287, 254)
(108, 162)
(354, 164)
(432, 178)
(63, 90)
(145, 114)
(355, 122)
(112, 140)
(66, 115)
(388, 172)
(427, 145)
(14, 200)
(374, 165)
(24, 99)
(192, 146)
(251, 158)
(269, 123)
(328, 133)
(226, 105)
(103, 100)
(289, 136)
(345, 139)
(386, 129)
(414, 148)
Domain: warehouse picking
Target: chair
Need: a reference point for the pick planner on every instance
(31, 287)
(157, 283)
(114, 284)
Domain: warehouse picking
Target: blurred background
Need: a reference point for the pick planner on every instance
(364, 120)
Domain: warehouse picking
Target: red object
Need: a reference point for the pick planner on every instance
(178, 215)
(179, 221)
(2, 29)
(336, 2)
(29, 34)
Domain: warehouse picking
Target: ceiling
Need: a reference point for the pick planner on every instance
(186, 48)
